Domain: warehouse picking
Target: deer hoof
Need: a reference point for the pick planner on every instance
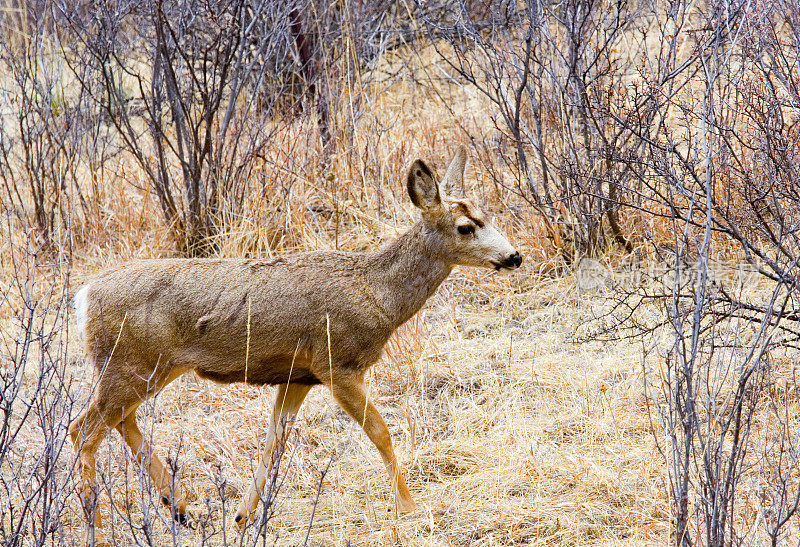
(242, 517)
(182, 519)
(405, 507)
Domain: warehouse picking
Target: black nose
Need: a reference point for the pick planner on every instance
(513, 261)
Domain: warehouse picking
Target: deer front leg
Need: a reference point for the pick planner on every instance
(287, 401)
(349, 391)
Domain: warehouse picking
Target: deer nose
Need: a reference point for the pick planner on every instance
(513, 261)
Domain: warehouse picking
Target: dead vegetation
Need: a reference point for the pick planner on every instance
(633, 384)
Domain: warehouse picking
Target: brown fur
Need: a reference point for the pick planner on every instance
(310, 318)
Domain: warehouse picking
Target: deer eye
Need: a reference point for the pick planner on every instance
(466, 229)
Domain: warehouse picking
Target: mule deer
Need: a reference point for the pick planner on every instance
(297, 321)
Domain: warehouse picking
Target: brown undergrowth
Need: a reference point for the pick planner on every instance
(511, 426)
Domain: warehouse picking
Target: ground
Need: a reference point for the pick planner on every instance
(511, 430)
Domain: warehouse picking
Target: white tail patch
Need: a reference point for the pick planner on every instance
(81, 305)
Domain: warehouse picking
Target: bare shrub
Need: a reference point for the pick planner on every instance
(36, 400)
(43, 132)
(666, 133)
(554, 74)
(706, 123)
(677, 123)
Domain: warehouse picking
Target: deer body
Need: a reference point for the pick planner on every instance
(296, 321)
(195, 313)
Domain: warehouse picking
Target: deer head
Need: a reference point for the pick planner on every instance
(463, 231)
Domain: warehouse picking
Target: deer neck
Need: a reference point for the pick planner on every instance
(408, 271)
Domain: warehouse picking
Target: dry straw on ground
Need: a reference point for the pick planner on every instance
(512, 428)
(509, 431)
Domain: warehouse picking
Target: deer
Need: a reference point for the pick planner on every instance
(296, 321)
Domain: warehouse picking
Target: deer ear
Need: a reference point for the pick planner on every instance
(422, 189)
(453, 180)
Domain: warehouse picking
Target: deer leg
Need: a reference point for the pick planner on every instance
(287, 402)
(115, 398)
(87, 432)
(162, 478)
(142, 451)
(350, 393)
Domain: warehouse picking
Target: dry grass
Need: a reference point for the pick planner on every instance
(510, 430)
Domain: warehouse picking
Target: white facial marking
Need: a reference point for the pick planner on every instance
(497, 246)
(478, 243)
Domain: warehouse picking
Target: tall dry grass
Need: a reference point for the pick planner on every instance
(512, 427)
(509, 432)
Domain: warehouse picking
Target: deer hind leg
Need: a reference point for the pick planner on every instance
(170, 493)
(287, 402)
(161, 477)
(87, 432)
(115, 399)
(350, 393)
